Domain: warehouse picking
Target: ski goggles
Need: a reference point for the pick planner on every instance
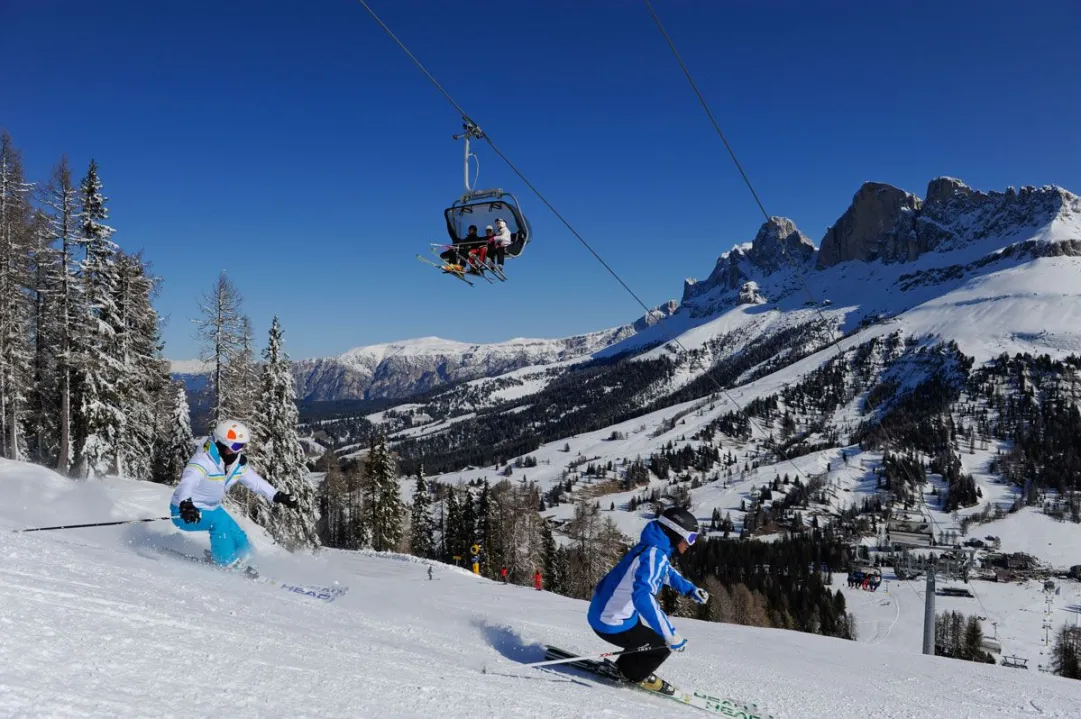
(688, 537)
(233, 447)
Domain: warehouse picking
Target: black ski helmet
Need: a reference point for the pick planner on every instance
(679, 524)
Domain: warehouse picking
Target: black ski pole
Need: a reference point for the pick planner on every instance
(602, 655)
(95, 524)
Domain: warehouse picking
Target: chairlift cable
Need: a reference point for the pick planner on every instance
(472, 127)
(705, 106)
(420, 65)
(784, 250)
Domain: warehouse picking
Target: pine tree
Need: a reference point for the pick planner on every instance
(1066, 654)
(43, 408)
(973, 639)
(176, 446)
(355, 531)
(488, 535)
(384, 505)
(586, 564)
(144, 384)
(548, 547)
(452, 528)
(242, 381)
(467, 524)
(561, 572)
(332, 503)
(421, 541)
(277, 452)
(100, 420)
(16, 240)
(61, 199)
(221, 327)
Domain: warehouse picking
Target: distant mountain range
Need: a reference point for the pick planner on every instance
(402, 369)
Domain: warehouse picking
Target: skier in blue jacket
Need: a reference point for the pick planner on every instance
(196, 502)
(624, 609)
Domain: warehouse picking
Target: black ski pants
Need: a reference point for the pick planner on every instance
(639, 665)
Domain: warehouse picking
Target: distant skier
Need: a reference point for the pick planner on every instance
(196, 503)
(537, 580)
(503, 574)
(429, 572)
(624, 609)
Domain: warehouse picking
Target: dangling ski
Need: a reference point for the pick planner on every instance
(495, 269)
(607, 671)
(448, 269)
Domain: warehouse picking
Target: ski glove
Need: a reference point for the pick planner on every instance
(700, 595)
(677, 643)
(188, 512)
(285, 498)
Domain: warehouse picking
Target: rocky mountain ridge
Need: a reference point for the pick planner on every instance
(400, 369)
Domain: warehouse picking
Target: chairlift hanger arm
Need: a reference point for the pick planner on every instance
(470, 131)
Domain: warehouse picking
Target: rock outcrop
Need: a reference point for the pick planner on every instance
(879, 224)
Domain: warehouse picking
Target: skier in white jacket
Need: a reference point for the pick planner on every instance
(196, 503)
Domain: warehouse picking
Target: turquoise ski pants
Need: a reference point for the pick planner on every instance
(227, 540)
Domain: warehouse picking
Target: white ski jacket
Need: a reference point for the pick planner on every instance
(206, 479)
(502, 237)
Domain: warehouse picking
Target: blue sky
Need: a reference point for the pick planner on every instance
(294, 146)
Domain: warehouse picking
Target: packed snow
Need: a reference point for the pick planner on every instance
(96, 623)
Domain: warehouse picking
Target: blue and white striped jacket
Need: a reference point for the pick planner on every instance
(627, 594)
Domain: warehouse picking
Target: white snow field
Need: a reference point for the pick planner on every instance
(94, 623)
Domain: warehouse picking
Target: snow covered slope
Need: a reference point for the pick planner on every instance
(94, 624)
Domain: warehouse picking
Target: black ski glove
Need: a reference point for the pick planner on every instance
(285, 498)
(188, 512)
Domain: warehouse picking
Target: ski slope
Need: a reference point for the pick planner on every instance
(1012, 614)
(97, 624)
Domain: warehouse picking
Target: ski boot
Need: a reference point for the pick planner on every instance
(236, 567)
(654, 683)
(242, 568)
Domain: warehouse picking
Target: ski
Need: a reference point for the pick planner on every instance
(607, 671)
(496, 270)
(446, 269)
(326, 594)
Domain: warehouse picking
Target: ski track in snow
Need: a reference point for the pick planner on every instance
(92, 628)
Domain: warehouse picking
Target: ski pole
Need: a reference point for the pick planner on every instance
(96, 524)
(603, 655)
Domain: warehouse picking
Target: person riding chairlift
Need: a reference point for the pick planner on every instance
(476, 249)
(498, 244)
(456, 254)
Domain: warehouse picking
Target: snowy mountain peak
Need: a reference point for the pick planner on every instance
(655, 315)
(889, 224)
(778, 244)
(941, 189)
(879, 224)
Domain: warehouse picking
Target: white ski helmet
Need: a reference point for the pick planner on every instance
(232, 435)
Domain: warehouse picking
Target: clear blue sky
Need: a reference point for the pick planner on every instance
(293, 145)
